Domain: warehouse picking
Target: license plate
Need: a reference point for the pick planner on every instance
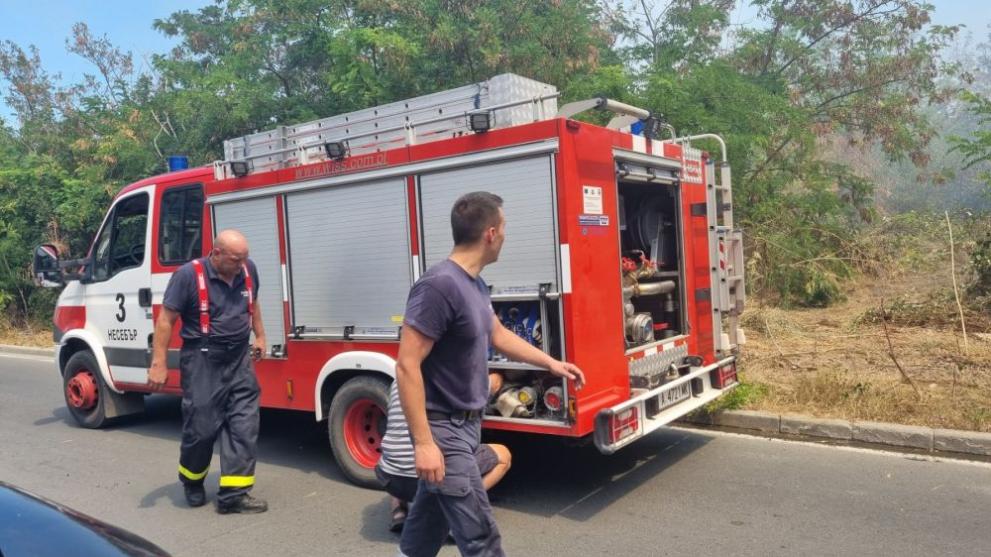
(674, 396)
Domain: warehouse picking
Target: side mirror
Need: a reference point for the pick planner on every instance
(45, 268)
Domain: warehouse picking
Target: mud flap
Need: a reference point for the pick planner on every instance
(116, 405)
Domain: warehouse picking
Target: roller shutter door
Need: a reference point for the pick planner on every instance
(349, 251)
(529, 256)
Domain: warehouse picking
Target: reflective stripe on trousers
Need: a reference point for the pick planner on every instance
(237, 481)
(193, 476)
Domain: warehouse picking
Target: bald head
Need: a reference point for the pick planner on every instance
(230, 251)
(231, 239)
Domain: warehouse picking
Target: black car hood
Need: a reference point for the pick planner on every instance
(31, 526)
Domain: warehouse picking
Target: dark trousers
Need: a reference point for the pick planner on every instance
(459, 504)
(401, 487)
(219, 397)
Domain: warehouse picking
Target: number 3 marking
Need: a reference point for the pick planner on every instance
(120, 304)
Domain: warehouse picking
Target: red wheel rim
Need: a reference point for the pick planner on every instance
(362, 431)
(82, 391)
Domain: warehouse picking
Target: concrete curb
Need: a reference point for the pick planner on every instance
(880, 435)
(31, 350)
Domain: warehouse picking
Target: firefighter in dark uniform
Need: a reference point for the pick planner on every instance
(215, 297)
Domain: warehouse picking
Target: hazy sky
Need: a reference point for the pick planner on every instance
(976, 14)
(127, 23)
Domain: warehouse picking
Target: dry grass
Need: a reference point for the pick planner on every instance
(835, 362)
(27, 336)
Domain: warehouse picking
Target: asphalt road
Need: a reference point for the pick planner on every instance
(677, 492)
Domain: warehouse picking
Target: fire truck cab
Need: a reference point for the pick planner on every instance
(621, 256)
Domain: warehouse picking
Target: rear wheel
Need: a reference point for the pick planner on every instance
(84, 390)
(356, 426)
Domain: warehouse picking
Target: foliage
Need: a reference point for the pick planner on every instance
(741, 396)
(281, 62)
(976, 149)
(39, 202)
(980, 261)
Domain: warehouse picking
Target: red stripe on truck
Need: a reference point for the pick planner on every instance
(69, 317)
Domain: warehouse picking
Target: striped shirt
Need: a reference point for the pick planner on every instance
(397, 447)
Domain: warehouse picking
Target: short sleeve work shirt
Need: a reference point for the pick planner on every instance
(454, 310)
(229, 318)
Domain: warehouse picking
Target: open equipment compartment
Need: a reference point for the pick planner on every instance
(652, 262)
(528, 392)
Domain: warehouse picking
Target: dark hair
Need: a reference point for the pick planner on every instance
(472, 214)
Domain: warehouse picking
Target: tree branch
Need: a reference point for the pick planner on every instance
(832, 30)
(650, 22)
(891, 354)
(769, 53)
(767, 160)
(854, 92)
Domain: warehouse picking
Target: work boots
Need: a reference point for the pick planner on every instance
(195, 494)
(243, 504)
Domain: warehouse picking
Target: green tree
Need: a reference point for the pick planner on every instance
(976, 149)
(677, 35)
(74, 147)
(247, 65)
(39, 202)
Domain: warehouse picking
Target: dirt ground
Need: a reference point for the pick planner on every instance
(836, 362)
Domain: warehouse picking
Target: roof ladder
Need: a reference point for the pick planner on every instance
(507, 99)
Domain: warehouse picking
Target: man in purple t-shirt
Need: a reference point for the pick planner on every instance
(442, 375)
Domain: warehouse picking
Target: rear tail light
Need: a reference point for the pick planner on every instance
(724, 376)
(623, 424)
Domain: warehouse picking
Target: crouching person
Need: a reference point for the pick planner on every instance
(396, 470)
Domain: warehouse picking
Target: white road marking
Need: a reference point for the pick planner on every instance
(46, 359)
(920, 457)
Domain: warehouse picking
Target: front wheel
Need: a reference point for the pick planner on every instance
(356, 426)
(85, 393)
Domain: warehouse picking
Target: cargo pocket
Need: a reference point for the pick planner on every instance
(463, 508)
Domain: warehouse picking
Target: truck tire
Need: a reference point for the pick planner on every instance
(356, 425)
(84, 390)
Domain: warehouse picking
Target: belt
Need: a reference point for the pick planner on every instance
(456, 416)
(203, 342)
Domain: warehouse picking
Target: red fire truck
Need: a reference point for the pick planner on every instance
(621, 256)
